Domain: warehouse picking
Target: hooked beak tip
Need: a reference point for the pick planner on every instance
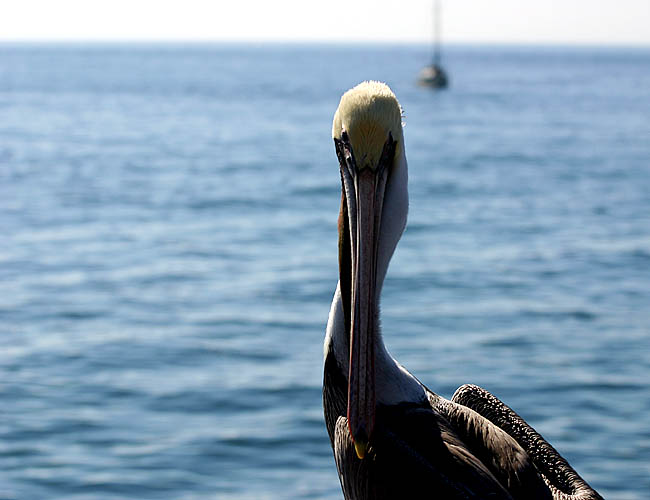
(360, 439)
(361, 448)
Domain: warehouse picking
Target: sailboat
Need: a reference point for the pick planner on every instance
(434, 75)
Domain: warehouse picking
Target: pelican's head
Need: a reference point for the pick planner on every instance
(367, 132)
(367, 114)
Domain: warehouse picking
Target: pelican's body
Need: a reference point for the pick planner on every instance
(392, 437)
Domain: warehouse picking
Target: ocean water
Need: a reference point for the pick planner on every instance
(169, 256)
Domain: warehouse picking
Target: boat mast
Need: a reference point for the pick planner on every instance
(436, 33)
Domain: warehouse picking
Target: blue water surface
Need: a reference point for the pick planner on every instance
(169, 256)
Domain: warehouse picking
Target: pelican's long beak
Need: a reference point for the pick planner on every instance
(364, 187)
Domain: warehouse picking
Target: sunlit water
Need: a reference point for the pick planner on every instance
(169, 255)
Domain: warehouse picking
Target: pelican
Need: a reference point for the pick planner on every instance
(392, 437)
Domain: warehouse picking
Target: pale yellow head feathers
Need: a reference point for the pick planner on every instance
(368, 112)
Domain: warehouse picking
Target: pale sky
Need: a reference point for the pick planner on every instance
(509, 21)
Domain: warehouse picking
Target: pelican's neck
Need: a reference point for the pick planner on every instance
(394, 383)
(393, 216)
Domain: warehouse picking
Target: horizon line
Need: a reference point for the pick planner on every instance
(295, 41)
